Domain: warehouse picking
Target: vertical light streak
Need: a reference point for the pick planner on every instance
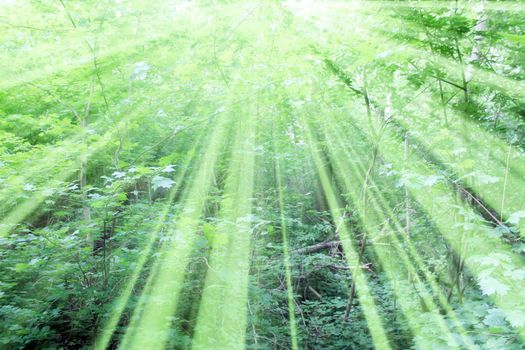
(286, 253)
(150, 324)
(375, 324)
(221, 323)
(111, 323)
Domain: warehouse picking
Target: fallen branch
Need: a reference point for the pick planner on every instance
(331, 243)
(315, 292)
(367, 266)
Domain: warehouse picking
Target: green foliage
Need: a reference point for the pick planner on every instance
(388, 148)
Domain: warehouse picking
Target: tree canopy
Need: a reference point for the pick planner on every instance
(262, 174)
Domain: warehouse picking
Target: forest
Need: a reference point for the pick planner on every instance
(275, 174)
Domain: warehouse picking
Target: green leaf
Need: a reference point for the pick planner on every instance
(168, 169)
(432, 180)
(515, 218)
(21, 267)
(490, 286)
(495, 318)
(494, 259)
(161, 182)
(518, 274)
(487, 179)
(516, 318)
(210, 231)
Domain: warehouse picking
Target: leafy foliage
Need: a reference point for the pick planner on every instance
(340, 172)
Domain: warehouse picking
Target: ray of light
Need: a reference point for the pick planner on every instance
(496, 161)
(286, 254)
(509, 175)
(69, 167)
(221, 321)
(381, 202)
(375, 324)
(111, 323)
(372, 41)
(150, 324)
(80, 55)
(459, 224)
(353, 179)
(65, 172)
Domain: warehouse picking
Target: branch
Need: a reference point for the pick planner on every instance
(449, 82)
(32, 28)
(333, 242)
(341, 75)
(367, 266)
(315, 292)
(68, 14)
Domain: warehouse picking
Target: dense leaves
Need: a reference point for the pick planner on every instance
(306, 174)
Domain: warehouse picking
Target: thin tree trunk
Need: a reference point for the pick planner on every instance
(507, 167)
(407, 197)
(86, 212)
(463, 76)
(364, 238)
(443, 103)
(440, 83)
(364, 196)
